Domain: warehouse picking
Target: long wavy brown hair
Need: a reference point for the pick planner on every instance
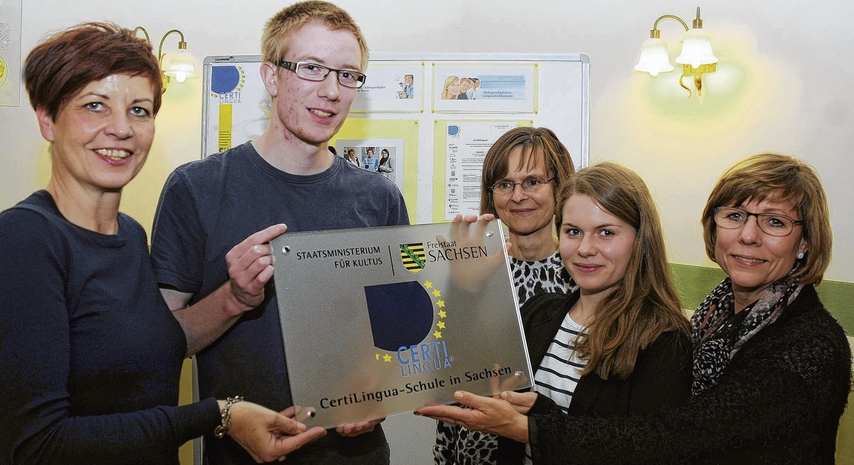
(645, 303)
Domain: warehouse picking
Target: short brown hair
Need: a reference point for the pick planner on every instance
(66, 62)
(495, 164)
(285, 23)
(645, 303)
(782, 178)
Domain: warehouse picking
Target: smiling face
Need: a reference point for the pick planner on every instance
(313, 111)
(525, 212)
(595, 246)
(754, 259)
(101, 136)
(453, 88)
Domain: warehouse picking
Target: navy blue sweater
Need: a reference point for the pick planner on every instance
(90, 355)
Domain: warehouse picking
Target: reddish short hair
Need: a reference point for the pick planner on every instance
(284, 24)
(66, 62)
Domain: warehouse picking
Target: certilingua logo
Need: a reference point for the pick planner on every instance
(226, 82)
(414, 257)
(402, 323)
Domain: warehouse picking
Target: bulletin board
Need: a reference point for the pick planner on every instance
(435, 115)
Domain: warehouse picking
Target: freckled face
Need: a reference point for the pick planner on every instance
(595, 245)
(525, 212)
(754, 259)
(100, 139)
(313, 111)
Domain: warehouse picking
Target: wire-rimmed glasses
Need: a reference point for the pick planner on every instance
(311, 71)
(531, 184)
(773, 224)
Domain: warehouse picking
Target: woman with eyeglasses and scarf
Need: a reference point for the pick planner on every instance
(772, 367)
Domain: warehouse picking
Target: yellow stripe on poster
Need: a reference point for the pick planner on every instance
(225, 130)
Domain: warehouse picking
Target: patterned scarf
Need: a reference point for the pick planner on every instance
(718, 332)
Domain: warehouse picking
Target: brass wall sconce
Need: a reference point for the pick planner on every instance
(696, 58)
(178, 64)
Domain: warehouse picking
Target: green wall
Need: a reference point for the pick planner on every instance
(695, 282)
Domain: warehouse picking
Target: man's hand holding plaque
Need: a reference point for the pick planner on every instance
(382, 321)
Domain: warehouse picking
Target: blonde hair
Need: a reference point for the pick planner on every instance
(645, 303)
(446, 95)
(785, 179)
(285, 23)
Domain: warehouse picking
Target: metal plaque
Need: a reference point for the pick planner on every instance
(381, 321)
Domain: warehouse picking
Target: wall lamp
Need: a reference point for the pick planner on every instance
(696, 57)
(178, 64)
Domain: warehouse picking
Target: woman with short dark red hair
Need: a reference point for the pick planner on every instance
(91, 355)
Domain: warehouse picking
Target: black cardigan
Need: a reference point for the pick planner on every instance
(778, 401)
(661, 378)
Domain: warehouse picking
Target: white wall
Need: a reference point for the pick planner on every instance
(781, 86)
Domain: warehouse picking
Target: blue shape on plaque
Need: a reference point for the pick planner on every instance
(224, 79)
(453, 130)
(401, 314)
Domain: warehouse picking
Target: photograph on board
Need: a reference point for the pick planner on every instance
(383, 156)
(473, 89)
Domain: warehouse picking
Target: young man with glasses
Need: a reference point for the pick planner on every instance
(210, 242)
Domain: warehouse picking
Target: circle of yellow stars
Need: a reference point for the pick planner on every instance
(239, 85)
(440, 304)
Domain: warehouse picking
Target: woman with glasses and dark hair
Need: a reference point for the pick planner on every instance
(519, 184)
(521, 172)
(772, 368)
(385, 165)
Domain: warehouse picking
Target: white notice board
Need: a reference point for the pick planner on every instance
(436, 115)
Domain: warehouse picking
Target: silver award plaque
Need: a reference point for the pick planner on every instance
(381, 321)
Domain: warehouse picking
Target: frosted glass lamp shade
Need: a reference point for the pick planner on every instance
(696, 49)
(179, 65)
(653, 57)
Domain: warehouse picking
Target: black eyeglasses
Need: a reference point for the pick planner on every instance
(315, 72)
(531, 184)
(772, 224)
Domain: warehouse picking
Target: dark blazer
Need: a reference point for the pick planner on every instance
(778, 401)
(661, 378)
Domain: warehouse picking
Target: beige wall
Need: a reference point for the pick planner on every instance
(782, 85)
